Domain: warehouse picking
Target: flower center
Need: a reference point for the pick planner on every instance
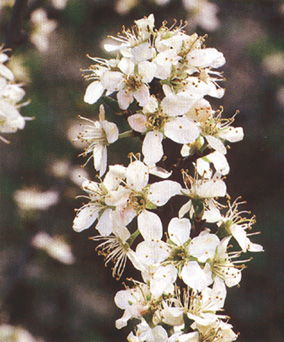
(133, 83)
(138, 201)
(156, 122)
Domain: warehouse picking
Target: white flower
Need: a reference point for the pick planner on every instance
(4, 70)
(117, 249)
(10, 94)
(56, 247)
(33, 199)
(233, 223)
(130, 82)
(10, 118)
(137, 196)
(217, 159)
(136, 303)
(179, 103)
(133, 302)
(97, 208)
(43, 27)
(202, 13)
(135, 84)
(98, 135)
(216, 130)
(155, 124)
(218, 331)
(222, 266)
(59, 4)
(202, 307)
(16, 334)
(200, 191)
(122, 7)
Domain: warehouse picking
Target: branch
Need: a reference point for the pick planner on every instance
(15, 35)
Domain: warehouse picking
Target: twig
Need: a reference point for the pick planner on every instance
(16, 35)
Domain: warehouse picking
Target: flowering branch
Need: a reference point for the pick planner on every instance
(158, 83)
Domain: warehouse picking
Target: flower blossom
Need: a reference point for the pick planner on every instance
(10, 94)
(98, 135)
(56, 247)
(97, 208)
(156, 125)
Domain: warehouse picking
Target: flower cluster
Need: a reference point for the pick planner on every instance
(11, 94)
(174, 221)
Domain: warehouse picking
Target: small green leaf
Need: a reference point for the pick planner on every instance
(113, 104)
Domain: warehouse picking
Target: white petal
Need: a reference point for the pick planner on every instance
(111, 131)
(211, 188)
(117, 197)
(124, 99)
(152, 253)
(100, 158)
(163, 278)
(181, 130)
(142, 95)
(152, 147)
(216, 144)
(93, 92)
(147, 71)
(126, 66)
(122, 299)
(177, 104)
(85, 218)
(151, 106)
(150, 225)
(212, 214)
(204, 246)
(196, 277)
(218, 160)
(255, 247)
(233, 277)
(12, 119)
(159, 172)
(203, 58)
(125, 215)
(142, 52)
(138, 122)
(137, 175)
(232, 134)
(106, 223)
(6, 72)
(114, 176)
(160, 192)
(203, 167)
(185, 209)
(185, 151)
(219, 292)
(112, 81)
(240, 235)
(179, 230)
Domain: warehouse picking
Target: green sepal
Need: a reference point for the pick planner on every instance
(198, 206)
(132, 237)
(113, 104)
(224, 230)
(187, 323)
(150, 205)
